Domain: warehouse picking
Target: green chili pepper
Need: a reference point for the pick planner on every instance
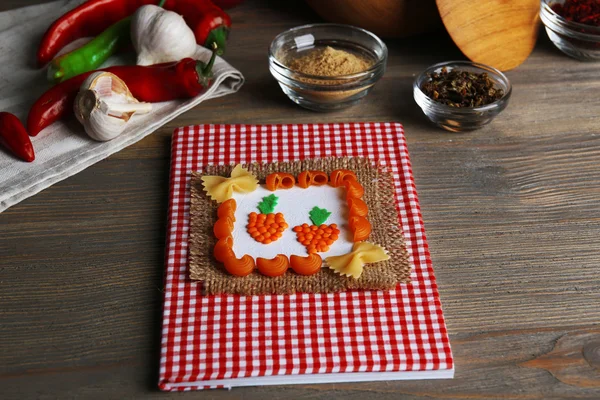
(91, 55)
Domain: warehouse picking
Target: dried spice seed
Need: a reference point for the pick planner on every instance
(456, 88)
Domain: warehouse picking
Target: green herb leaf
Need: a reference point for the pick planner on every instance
(268, 203)
(319, 215)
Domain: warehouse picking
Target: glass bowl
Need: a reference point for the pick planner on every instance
(457, 119)
(577, 40)
(329, 93)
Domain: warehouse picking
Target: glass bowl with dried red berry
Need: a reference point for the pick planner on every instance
(573, 26)
(461, 95)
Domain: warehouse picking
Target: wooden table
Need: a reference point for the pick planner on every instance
(512, 213)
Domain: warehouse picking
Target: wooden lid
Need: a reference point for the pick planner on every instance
(500, 33)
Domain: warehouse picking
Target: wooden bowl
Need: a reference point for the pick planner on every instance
(385, 18)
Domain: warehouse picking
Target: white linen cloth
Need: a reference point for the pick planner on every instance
(63, 149)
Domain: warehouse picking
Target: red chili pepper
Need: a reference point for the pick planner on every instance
(209, 23)
(89, 19)
(155, 83)
(14, 137)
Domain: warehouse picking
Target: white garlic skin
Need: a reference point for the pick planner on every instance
(104, 106)
(160, 36)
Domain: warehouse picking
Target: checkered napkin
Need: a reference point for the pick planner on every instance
(229, 340)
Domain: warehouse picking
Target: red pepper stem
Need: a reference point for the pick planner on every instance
(162, 3)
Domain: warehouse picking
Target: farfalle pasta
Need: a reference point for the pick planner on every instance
(220, 188)
(352, 264)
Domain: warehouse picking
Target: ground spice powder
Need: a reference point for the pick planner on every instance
(327, 61)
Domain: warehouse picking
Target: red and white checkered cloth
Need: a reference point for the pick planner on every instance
(228, 340)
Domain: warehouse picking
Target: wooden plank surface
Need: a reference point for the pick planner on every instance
(511, 213)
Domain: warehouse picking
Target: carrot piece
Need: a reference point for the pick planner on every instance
(272, 181)
(306, 265)
(227, 209)
(223, 249)
(239, 266)
(360, 228)
(304, 179)
(274, 266)
(223, 227)
(354, 189)
(358, 208)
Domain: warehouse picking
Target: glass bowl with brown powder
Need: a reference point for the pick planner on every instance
(325, 67)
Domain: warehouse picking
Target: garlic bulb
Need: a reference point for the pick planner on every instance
(104, 105)
(160, 36)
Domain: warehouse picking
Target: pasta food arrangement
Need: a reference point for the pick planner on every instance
(295, 225)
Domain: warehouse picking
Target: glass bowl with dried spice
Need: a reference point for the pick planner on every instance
(326, 67)
(573, 26)
(461, 95)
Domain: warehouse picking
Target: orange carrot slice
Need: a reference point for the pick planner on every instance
(306, 265)
(227, 209)
(358, 208)
(339, 176)
(223, 249)
(354, 189)
(223, 227)
(360, 228)
(239, 266)
(274, 266)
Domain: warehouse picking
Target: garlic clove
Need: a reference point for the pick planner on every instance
(104, 105)
(160, 36)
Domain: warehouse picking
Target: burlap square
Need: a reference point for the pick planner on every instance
(383, 215)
